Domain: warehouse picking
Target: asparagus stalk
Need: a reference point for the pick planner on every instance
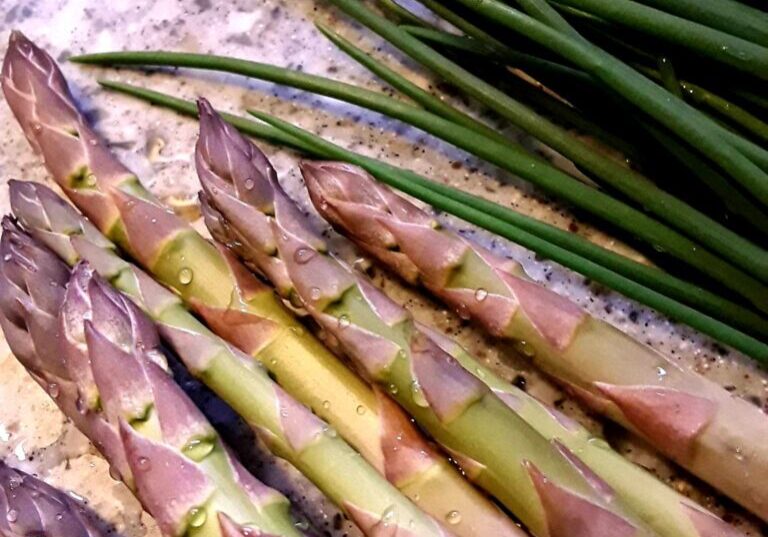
(663, 509)
(234, 304)
(610, 269)
(100, 360)
(288, 428)
(720, 438)
(538, 481)
(32, 507)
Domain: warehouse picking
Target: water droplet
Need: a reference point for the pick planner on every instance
(297, 330)
(360, 410)
(59, 516)
(418, 395)
(393, 389)
(12, 515)
(249, 184)
(197, 517)
(7, 257)
(388, 516)
(314, 293)
(53, 390)
(343, 321)
(37, 128)
(14, 483)
(302, 525)
(90, 179)
(453, 517)
(326, 404)
(480, 373)
(304, 255)
(198, 448)
(738, 454)
(144, 464)
(185, 276)
(330, 432)
(661, 373)
(481, 294)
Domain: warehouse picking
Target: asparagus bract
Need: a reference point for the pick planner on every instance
(720, 438)
(290, 430)
(543, 483)
(100, 360)
(232, 302)
(29, 506)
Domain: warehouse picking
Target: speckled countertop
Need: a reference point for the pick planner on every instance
(158, 145)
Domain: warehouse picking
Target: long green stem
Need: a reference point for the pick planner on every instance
(711, 43)
(687, 122)
(727, 15)
(534, 169)
(421, 189)
(408, 88)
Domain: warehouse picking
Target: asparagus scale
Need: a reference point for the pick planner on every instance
(32, 507)
(718, 437)
(541, 482)
(230, 300)
(100, 360)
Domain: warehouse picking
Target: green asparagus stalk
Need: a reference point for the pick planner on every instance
(32, 507)
(720, 438)
(751, 259)
(101, 362)
(289, 429)
(541, 482)
(230, 300)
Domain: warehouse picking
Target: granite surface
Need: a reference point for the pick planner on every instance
(158, 145)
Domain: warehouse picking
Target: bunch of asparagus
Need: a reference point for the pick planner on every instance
(231, 301)
(731, 257)
(432, 377)
(552, 475)
(32, 507)
(100, 360)
(718, 437)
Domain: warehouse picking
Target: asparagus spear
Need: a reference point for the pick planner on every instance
(720, 438)
(29, 506)
(290, 430)
(100, 360)
(229, 299)
(541, 482)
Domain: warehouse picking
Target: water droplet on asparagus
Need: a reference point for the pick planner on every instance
(12, 515)
(302, 525)
(143, 464)
(344, 321)
(304, 255)
(197, 517)
(249, 184)
(185, 276)
(314, 293)
(53, 390)
(198, 448)
(388, 516)
(481, 294)
(360, 410)
(326, 404)
(661, 373)
(453, 517)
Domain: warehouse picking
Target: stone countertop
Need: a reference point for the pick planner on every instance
(158, 146)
